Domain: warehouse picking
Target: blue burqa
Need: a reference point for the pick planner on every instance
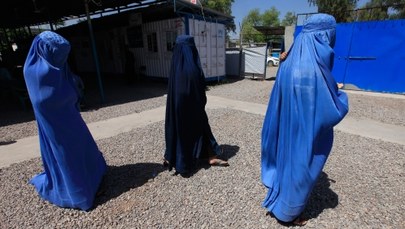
(187, 131)
(73, 165)
(304, 107)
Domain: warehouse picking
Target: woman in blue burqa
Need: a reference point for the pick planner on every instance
(187, 131)
(297, 133)
(73, 165)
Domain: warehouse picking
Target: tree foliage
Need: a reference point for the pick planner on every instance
(289, 19)
(373, 10)
(340, 9)
(249, 33)
(381, 10)
(223, 6)
(254, 18)
(270, 17)
(399, 8)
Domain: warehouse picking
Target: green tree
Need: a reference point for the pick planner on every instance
(289, 19)
(270, 17)
(254, 18)
(373, 10)
(223, 6)
(399, 8)
(340, 9)
(250, 34)
(381, 10)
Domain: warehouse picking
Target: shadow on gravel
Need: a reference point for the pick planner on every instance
(7, 143)
(227, 80)
(228, 151)
(322, 197)
(120, 179)
(116, 92)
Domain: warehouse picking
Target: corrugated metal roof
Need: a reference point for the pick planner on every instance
(268, 30)
(19, 13)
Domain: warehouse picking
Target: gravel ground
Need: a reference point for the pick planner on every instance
(362, 185)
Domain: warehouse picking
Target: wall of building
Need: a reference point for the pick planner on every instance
(157, 63)
(151, 44)
(210, 41)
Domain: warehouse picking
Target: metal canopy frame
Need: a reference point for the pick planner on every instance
(270, 31)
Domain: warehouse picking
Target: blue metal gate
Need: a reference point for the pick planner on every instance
(370, 55)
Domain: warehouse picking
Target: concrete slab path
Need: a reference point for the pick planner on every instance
(28, 148)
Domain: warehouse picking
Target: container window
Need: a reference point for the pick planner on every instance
(152, 42)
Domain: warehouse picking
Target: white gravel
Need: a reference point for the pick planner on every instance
(363, 184)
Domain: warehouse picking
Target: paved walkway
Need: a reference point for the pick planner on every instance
(28, 148)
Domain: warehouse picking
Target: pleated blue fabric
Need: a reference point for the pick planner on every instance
(73, 164)
(188, 134)
(304, 106)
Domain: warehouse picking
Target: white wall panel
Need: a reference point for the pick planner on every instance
(210, 42)
(209, 38)
(158, 64)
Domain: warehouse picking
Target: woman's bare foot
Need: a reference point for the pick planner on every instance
(215, 161)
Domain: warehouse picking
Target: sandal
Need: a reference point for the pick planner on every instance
(100, 192)
(165, 163)
(299, 221)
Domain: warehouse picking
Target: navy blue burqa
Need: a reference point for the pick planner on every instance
(73, 165)
(304, 107)
(187, 131)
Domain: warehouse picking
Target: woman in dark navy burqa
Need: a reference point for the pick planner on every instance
(73, 165)
(304, 107)
(187, 131)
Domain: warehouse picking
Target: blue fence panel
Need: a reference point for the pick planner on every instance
(377, 55)
(370, 56)
(344, 36)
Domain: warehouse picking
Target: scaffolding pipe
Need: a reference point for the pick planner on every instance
(94, 49)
